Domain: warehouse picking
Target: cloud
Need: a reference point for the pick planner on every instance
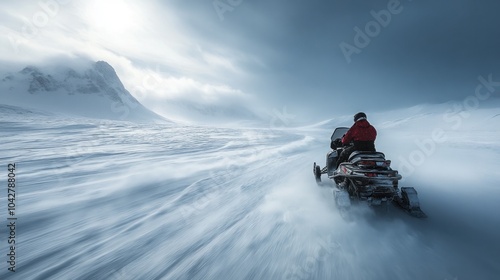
(183, 98)
(287, 58)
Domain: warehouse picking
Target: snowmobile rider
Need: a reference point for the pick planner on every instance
(362, 134)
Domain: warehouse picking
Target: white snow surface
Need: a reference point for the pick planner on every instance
(101, 199)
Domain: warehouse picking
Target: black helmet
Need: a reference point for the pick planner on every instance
(359, 116)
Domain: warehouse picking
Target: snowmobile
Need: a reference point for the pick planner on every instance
(366, 176)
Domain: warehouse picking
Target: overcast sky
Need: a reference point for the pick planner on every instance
(316, 58)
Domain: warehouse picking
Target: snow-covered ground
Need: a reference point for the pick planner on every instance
(118, 200)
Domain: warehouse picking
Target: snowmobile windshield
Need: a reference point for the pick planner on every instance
(339, 132)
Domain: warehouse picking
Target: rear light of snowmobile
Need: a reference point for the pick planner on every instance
(371, 174)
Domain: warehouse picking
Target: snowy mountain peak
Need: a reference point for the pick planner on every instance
(94, 90)
(30, 70)
(106, 70)
(108, 74)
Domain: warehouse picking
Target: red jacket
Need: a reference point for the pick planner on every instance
(361, 130)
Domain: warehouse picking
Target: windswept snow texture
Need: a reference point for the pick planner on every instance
(116, 200)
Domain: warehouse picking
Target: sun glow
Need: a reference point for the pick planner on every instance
(113, 16)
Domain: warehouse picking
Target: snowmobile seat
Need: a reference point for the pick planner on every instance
(364, 154)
